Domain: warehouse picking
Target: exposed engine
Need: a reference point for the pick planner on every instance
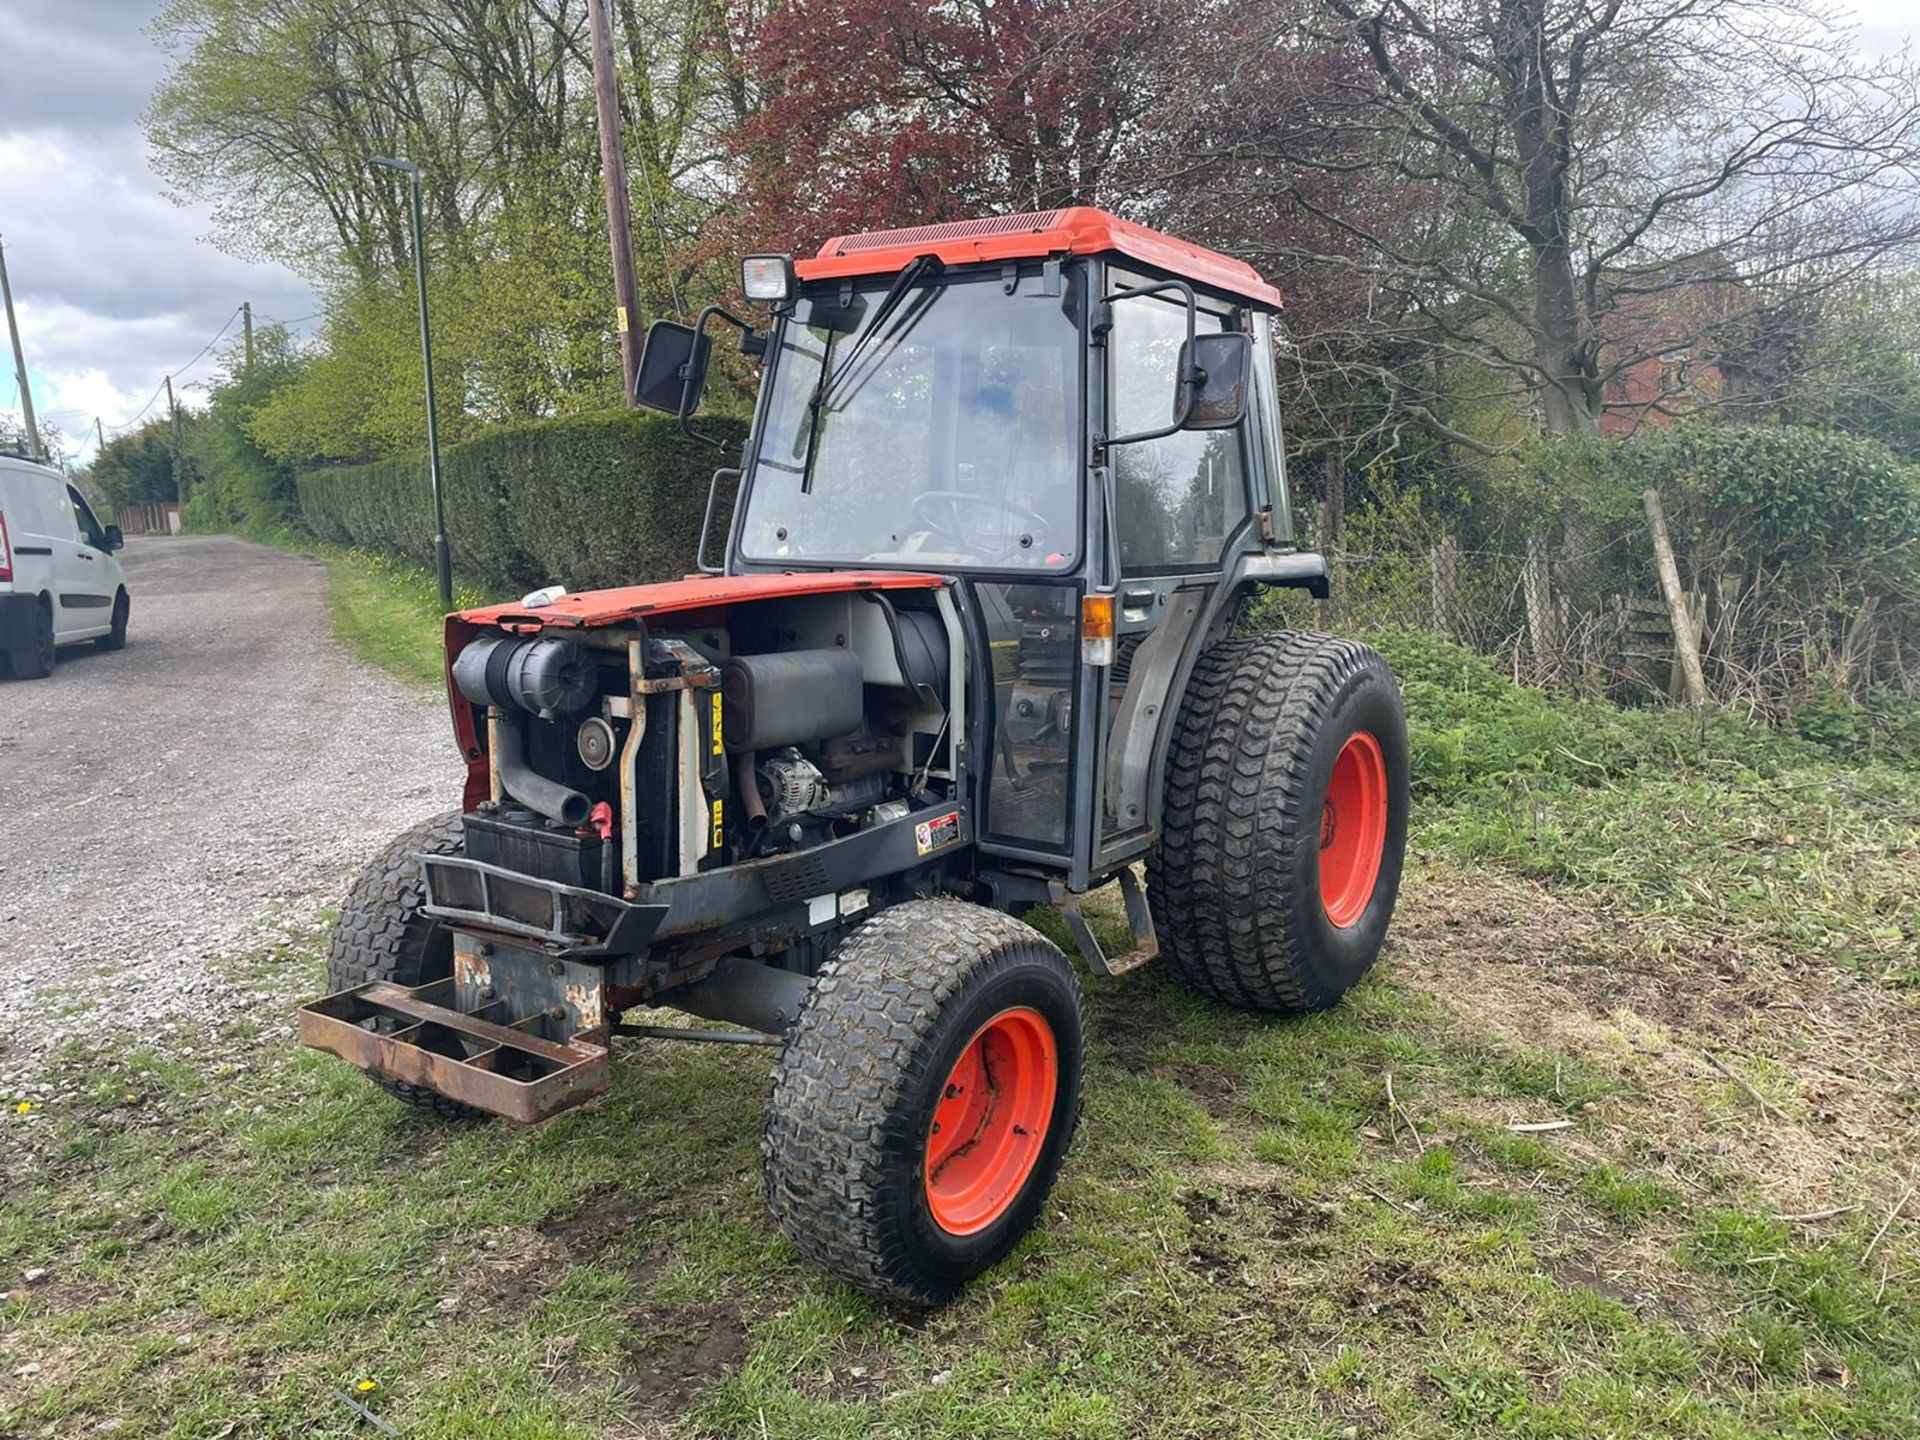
(625, 757)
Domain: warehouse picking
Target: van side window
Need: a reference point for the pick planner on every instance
(90, 530)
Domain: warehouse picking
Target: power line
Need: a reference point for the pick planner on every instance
(180, 370)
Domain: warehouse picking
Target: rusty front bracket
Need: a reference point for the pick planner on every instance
(409, 1035)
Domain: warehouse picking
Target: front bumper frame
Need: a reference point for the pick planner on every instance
(564, 920)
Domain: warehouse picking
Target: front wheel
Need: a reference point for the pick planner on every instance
(116, 638)
(925, 1098)
(1285, 827)
(384, 933)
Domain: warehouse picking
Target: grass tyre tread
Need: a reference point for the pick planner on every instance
(382, 934)
(853, 1093)
(1233, 879)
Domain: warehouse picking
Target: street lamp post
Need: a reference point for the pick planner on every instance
(442, 560)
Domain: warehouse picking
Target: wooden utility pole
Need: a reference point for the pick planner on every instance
(34, 447)
(246, 323)
(173, 426)
(100, 435)
(613, 171)
(1679, 613)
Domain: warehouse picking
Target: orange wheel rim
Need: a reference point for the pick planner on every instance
(991, 1120)
(1353, 829)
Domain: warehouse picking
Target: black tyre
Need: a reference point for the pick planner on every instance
(925, 1098)
(36, 659)
(383, 935)
(116, 638)
(1285, 828)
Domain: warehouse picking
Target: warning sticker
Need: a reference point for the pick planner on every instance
(942, 830)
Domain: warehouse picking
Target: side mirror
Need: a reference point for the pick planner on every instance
(113, 540)
(1213, 390)
(673, 368)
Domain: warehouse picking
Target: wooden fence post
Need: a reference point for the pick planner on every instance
(1686, 643)
(1542, 620)
(1446, 584)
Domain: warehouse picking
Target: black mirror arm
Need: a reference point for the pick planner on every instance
(693, 374)
(1188, 383)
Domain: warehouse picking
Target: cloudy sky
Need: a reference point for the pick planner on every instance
(114, 283)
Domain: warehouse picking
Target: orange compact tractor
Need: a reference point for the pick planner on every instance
(971, 645)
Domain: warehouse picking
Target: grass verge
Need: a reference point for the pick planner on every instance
(1679, 944)
(1250, 1239)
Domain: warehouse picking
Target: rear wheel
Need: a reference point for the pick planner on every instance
(925, 1098)
(116, 638)
(35, 660)
(1285, 827)
(383, 934)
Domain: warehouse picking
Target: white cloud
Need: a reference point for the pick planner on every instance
(115, 284)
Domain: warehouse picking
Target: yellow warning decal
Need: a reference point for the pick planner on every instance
(718, 747)
(719, 824)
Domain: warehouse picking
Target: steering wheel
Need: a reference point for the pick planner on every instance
(940, 512)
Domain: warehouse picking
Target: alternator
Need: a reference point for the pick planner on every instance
(790, 784)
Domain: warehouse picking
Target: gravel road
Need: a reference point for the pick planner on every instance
(201, 792)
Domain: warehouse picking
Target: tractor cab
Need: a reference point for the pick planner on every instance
(1071, 416)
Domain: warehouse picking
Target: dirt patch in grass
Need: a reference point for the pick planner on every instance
(1834, 1055)
(680, 1353)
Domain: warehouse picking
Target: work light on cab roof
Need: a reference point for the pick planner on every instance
(966, 640)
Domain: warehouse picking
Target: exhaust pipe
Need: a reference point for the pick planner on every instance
(535, 791)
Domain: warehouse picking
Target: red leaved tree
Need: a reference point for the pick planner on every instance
(876, 113)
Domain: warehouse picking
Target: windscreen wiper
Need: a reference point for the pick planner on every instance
(921, 266)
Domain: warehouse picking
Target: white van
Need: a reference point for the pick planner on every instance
(59, 580)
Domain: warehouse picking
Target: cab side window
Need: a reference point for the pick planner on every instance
(90, 530)
(1180, 496)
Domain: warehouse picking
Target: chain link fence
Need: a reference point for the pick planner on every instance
(1586, 612)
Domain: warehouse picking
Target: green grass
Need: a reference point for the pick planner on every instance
(1246, 1241)
(1707, 818)
(389, 613)
(1248, 1238)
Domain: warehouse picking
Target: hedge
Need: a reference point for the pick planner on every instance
(586, 501)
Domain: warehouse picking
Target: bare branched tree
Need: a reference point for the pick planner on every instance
(1565, 194)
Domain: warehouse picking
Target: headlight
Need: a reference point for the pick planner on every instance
(767, 277)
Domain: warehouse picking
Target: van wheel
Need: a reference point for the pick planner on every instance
(116, 639)
(36, 661)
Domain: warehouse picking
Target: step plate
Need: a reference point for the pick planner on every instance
(401, 1033)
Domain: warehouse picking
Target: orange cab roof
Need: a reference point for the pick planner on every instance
(1077, 230)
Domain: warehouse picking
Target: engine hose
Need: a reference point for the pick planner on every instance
(533, 790)
(751, 805)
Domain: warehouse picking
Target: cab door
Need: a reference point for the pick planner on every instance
(1178, 505)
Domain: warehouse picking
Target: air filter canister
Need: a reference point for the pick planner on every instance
(548, 677)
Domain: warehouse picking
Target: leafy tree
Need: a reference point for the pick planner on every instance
(242, 487)
(889, 112)
(137, 468)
